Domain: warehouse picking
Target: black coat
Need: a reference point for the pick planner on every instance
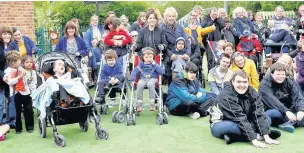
(219, 25)
(282, 97)
(3, 64)
(157, 36)
(244, 110)
(195, 51)
(229, 34)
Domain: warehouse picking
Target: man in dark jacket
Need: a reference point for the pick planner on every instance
(283, 100)
(238, 114)
(218, 22)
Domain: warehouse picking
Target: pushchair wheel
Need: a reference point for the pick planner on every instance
(159, 119)
(59, 140)
(114, 116)
(84, 126)
(101, 134)
(134, 119)
(120, 117)
(42, 127)
(165, 118)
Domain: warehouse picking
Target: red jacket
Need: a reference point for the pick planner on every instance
(246, 46)
(108, 39)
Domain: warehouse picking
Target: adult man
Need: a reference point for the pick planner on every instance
(219, 76)
(218, 22)
(283, 100)
(238, 114)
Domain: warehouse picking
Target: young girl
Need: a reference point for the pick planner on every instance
(23, 100)
(148, 71)
(11, 76)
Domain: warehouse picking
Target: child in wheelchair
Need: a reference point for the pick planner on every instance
(148, 72)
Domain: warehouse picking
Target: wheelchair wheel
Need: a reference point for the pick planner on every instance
(120, 117)
(59, 141)
(42, 127)
(159, 119)
(84, 126)
(101, 134)
(165, 118)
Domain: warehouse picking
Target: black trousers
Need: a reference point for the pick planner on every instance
(184, 109)
(24, 103)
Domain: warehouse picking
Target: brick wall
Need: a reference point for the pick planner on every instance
(19, 14)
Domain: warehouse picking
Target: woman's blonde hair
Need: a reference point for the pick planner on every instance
(170, 10)
(237, 10)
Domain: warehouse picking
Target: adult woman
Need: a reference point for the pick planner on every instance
(173, 30)
(259, 26)
(151, 36)
(76, 21)
(6, 36)
(94, 32)
(139, 23)
(250, 16)
(300, 22)
(23, 44)
(242, 22)
(243, 63)
(222, 13)
(71, 43)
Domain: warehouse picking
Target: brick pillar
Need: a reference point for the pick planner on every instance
(18, 14)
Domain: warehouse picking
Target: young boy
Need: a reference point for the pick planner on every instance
(111, 74)
(179, 57)
(94, 60)
(148, 71)
(13, 74)
(118, 38)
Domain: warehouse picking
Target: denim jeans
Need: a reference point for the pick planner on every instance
(277, 117)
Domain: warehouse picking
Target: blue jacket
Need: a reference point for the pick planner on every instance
(62, 45)
(243, 24)
(146, 69)
(29, 45)
(88, 36)
(92, 61)
(182, 90)
(172, 36)
(97, 52)
(115, 71)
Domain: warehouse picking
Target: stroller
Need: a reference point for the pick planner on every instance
(55, 113)
(117, 116)
(162, 116)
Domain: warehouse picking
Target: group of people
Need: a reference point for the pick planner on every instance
(241, 108)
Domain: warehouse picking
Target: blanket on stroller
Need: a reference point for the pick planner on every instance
(42, 96)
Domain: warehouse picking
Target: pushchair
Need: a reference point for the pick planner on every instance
(117, 116)
(55, 114)
(162, 116)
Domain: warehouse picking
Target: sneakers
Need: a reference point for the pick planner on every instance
(30, 131)
(287, 126)
(274, 134)
(152, 105)
(2, 138)
(227, 139)
(195, 115)
(139, 106)
(18, 132)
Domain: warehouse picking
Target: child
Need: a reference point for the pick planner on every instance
(249, 45)
(179, 57)
(111, 74)
(23, 100)
(94, 60)
(118, 38)
(148, 71)
(13, 75)
(3, 130)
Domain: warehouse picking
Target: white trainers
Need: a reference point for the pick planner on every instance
(195, 115)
